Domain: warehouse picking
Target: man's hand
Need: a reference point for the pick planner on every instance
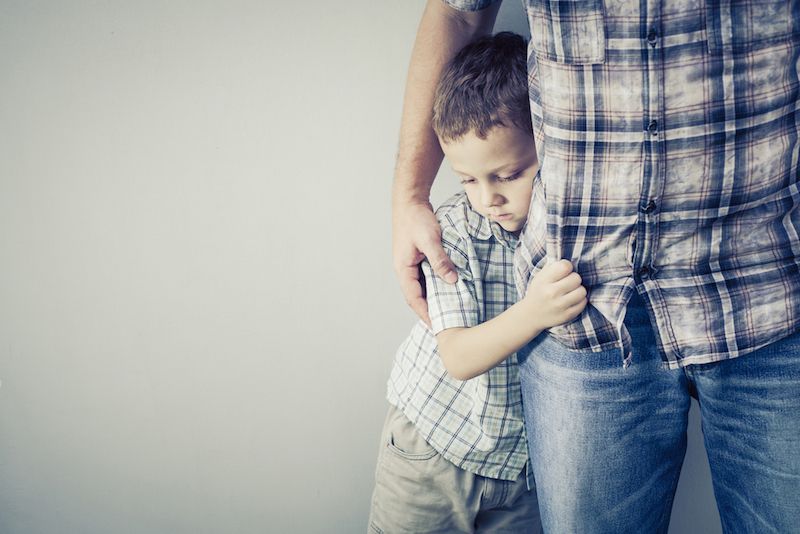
(556, 294)
(416, 235)
(443, 31)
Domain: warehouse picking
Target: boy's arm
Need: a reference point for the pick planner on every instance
(554, 297)
(415, 233)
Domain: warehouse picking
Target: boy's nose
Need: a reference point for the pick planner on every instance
(490, 197)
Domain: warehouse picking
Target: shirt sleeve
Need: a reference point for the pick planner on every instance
(452, 305)
(470, 5)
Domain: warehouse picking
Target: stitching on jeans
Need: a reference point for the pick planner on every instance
(506, 488)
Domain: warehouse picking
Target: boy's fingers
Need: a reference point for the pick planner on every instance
(552, 272)
(567, 284)
(577, 308)
(575, 297)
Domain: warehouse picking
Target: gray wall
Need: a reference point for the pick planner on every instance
(197, 308)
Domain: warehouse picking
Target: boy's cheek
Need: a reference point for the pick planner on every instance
(525, 199)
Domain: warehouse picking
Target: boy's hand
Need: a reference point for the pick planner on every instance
(416, 235)
(556, 294)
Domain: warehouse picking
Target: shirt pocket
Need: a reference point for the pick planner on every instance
(742, 25)
(567, 31)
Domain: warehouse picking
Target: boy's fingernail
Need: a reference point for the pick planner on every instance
(450, 277)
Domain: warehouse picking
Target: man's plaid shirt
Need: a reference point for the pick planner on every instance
(669, 147)
(475, 424)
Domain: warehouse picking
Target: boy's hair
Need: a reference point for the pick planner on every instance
(485, 85)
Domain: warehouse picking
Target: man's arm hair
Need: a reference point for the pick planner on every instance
(442, 32)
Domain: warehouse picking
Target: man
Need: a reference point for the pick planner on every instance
(669, 147)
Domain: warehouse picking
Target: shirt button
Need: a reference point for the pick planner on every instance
(652, 37)
(653, 127)
(650, 207)
(644, 272)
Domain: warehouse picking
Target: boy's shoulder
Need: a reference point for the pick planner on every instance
(459, 220)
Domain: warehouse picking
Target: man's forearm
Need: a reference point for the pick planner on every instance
(442, 32)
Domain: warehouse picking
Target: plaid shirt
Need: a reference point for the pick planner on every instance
(475, 424)
(668, 138)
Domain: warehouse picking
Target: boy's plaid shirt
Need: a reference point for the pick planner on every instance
(668, 138)
(475, 424)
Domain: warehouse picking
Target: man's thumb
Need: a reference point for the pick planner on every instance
(442, 266)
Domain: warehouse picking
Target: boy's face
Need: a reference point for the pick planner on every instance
(497, 173)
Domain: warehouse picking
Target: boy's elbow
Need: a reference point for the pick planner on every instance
(452, 364)
(455, 366)
(452, 359)
(449, 365)
(457, 372)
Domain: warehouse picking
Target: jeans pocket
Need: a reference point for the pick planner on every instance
(567, 31)
(405, 442)
(419, 453)
(551, 350)
(734, 26)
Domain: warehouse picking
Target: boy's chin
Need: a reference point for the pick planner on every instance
(513, 227)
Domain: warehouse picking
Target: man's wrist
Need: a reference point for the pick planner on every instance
(406, 192)
(402, 202)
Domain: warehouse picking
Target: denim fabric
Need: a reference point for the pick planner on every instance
(607, 441)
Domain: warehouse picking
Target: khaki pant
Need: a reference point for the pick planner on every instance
(418, 491)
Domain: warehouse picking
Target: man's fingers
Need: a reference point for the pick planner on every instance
(411, 286)
(420, 307)
(441, 264)
(416, 235)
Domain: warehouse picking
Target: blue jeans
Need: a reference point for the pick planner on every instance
(607, 442)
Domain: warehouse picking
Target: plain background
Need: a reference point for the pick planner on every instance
(197, 308)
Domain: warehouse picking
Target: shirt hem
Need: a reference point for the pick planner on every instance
(716, 357)
(458, 461)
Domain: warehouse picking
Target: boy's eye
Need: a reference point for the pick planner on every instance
(509, 178)
(465, 181)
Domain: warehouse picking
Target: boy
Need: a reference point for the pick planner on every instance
(453, 453)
